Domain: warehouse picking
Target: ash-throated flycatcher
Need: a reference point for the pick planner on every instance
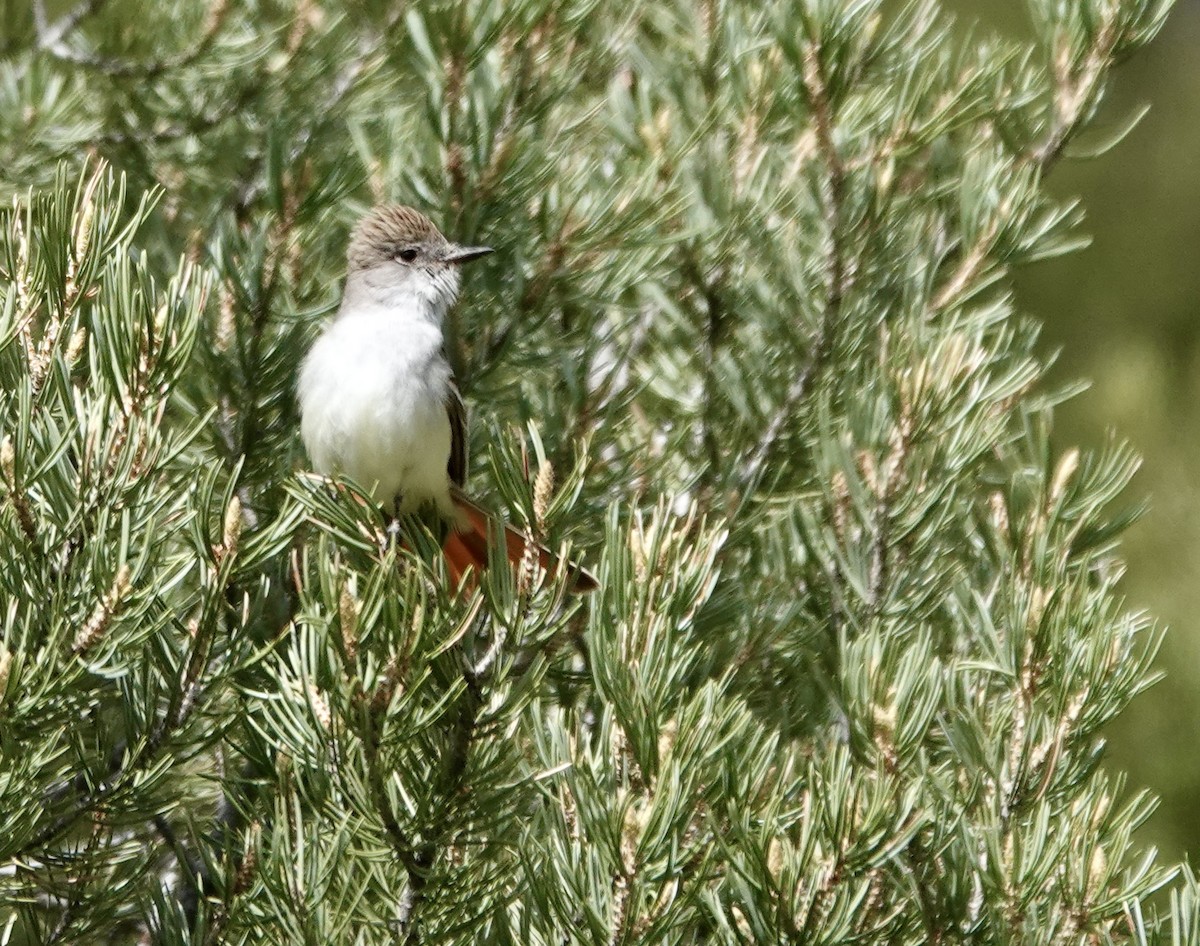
(378, 400)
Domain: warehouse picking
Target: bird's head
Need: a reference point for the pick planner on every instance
(397, 251)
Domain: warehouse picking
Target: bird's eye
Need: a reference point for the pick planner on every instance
(408, 254)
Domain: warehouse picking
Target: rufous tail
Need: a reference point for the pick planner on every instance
(466, 547)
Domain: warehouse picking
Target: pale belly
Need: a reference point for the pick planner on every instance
(373, 409)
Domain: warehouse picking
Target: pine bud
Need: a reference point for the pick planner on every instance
(226, 319)
(5, 668)
(632, 826)
(543, 491)
(108, 608)
(76, 345)
(637, 548)
(1097, 871)
(320, 707)
(16, 494)
(999, 510)
(348, 620)
(742, 924)
(388, 683)
(666, 739)
(1062, 474)
(841, 505)
(249, 864)
(83, 221)
(868, 471)
(231, 529)
(216, 14)
(527, 572)
(775, 858)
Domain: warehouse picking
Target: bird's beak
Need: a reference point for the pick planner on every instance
(464, 254)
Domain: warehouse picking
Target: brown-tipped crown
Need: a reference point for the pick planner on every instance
(385, 231)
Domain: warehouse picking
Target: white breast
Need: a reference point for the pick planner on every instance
(373, 406)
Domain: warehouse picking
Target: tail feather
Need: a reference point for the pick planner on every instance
(461, 558)
(467, 547)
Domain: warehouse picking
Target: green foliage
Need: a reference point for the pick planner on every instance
(859, 629)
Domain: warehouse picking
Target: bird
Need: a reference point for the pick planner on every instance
(378, 398)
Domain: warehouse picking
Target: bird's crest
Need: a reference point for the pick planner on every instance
(378, 235)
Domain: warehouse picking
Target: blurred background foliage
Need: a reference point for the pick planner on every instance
(1123, 315)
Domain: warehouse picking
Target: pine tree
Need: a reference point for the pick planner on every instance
(748, 347)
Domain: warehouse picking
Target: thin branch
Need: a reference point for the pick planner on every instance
(450, 781)
(715, 315)
(40, 23)
(418, 857)
(838, 270)
(50, 38)
(343, 84)
(969, 267)
(1075, 93)
(901, 442)
(64, 922)
(916, 857)
(754, 466)
(112, 66)
(192, 876)
(616, 380)
(193, 124)
(121, 767)
(402, 844)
